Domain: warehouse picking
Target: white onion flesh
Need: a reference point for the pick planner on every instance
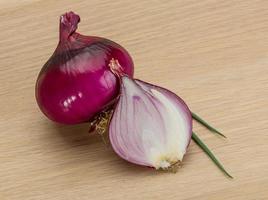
(150, 126)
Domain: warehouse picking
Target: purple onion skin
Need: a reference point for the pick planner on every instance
(76, 82)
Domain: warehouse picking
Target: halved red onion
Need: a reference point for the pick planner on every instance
(150, 126)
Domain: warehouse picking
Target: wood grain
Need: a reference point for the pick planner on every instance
(214, 54)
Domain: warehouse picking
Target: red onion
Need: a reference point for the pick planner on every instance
(150, 126)
(76, 83)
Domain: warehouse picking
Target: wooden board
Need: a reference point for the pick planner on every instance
(214, 54)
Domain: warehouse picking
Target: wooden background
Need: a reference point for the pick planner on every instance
(213, 53)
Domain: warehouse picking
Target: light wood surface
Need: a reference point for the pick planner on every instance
(214, 54)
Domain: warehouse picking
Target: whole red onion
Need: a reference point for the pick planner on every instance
(76, 83)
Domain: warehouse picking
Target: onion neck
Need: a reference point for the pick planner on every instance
(68, 25)
(116, 68)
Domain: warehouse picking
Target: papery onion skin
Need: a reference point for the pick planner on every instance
(151, 126)
(76, 83)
